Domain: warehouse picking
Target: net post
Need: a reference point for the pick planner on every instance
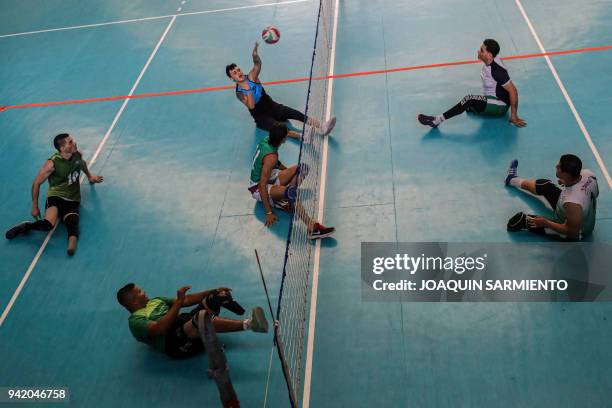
(218, 369)
(281, 355)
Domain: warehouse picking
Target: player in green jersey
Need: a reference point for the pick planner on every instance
(159, 323)
(62, 170)
(273, 184)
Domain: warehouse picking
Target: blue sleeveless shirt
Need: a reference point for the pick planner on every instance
(255, 88)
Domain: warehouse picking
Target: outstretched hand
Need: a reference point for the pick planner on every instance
(95, 179)
(255, 49)
(516, 121)
(271, 219)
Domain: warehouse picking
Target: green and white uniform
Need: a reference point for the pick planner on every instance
(263, 149)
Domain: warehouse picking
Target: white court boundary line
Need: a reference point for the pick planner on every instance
(315, 273)
(135, 20)
(583, 128)
(8, 308)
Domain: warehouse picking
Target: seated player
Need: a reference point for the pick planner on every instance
(574, 204)
(63, 170)
(263, 109)
(499, 91)
(158, 323)
(274, 185)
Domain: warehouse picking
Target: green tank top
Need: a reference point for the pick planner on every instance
(64, 181)
(263, 149)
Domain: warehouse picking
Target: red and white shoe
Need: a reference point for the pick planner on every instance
(284, 205)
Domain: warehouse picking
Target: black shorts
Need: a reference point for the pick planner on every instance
(64, 207)
(549, 191)
(269, 112)
(178, 344)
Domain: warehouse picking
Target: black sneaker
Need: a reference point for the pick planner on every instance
(426, 120)
(518, 222)
(320, 231)
(284, 205)
(17, 229)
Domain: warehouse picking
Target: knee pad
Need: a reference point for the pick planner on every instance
(542, 185)
(72, 224)
(291, 193)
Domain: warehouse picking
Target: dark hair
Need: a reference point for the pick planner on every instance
(123, 293)
(570, 164)
(492, 46)
(58, 141)
(278, 132)
(228, 68)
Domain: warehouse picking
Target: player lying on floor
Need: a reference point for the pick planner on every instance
(159, 323)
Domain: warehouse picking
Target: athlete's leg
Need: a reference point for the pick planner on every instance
(72, 226)
(45, 225)
(287, 176)
(472, 103)
(255, 322)
(542, 189)
(265, 121)
(283, 113)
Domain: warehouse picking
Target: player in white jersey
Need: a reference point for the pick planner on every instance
(499, 91)
(574, 204)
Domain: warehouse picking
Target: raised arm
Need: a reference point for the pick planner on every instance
(163, 325)
(254, 74)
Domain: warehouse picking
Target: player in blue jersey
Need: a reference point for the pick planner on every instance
(264, 110)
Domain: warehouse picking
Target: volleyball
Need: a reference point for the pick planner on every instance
(270, 35)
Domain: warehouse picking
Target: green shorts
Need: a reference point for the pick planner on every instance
(495, 106)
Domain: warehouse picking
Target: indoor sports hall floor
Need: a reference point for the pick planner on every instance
(174, 209)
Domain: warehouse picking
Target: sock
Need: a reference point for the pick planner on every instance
(246, 324)
(438, 119)
(516, 182)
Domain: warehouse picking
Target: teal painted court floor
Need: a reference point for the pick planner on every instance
(174, 207)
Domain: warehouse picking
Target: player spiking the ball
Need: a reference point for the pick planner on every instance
(264, 110)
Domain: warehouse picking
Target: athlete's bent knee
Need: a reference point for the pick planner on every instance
(72, 224)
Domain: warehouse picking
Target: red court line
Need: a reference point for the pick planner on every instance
(302, 79)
